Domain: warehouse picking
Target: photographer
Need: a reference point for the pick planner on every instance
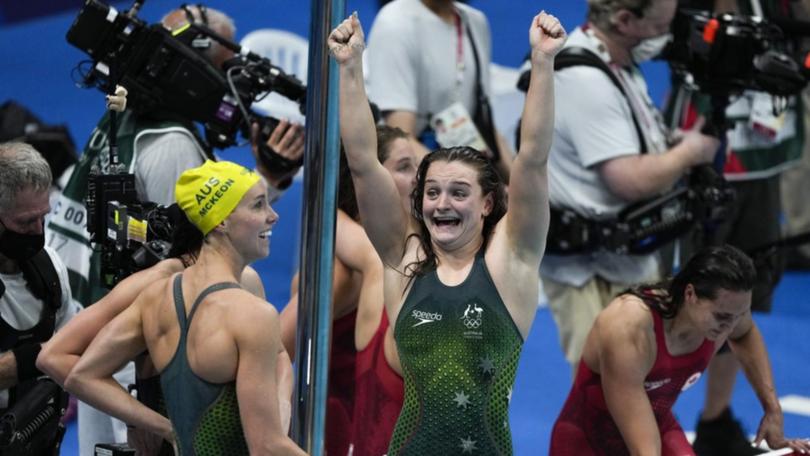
(610, 149)
(157, 147)
(34, 293)
(761, 144)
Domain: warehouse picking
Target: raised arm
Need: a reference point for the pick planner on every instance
(527, 218)
(626, 354)
(91, 379)
(748, 346)
(377, 196)
(62, 351)
(257, 386)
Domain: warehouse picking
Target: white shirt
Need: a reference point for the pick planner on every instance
(413, 59)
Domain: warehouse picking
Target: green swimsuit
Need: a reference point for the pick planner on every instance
(205, 415)
(459, 349)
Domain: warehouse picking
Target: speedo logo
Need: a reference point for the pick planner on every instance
(649, 386)
(425, 317)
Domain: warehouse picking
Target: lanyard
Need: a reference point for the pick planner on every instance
(459, 55)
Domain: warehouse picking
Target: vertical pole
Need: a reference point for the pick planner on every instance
(318, 224)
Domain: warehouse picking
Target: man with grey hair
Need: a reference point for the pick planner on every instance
(34, 294)
(156, 147)
(610, 149)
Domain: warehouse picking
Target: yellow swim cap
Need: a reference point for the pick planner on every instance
(209, 193)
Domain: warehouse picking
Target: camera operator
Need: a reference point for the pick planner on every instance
(35, 296)
(610, 149)
(761, 144)
(157, 147)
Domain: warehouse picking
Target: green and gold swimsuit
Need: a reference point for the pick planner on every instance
(459, 349)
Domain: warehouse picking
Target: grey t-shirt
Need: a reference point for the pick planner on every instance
(593, 124)
(412, 59)
(161, 159)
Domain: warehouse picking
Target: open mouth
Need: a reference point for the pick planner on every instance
(446, 221)
(266, 234)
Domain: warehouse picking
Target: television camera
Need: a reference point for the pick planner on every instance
(164, 73)
(722, 55)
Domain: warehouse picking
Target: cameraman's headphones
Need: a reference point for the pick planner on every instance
(200, 41)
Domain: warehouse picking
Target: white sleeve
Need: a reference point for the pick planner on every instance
(69, 307)
(160, 162)
(595, 115)
(392, 63)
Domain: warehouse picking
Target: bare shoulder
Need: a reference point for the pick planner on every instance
(626, 319)
(168, 266)
(622, 338)
(626, 311)
(154, 291)
(247, 313)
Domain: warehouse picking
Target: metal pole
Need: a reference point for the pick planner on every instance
(318, 224)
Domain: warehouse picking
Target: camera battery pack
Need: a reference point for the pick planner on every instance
(114, 449)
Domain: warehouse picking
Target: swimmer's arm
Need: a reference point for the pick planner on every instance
(352, 246)
(62, 351)
(289, 319)
(748, 346)
(256, 330)
(625, 357)
(285, 376)
(528, 216)
(377, 197)
(91, 380)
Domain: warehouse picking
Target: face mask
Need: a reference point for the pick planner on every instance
(649, 48)
(20, 247)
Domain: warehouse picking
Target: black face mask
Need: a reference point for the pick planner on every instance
(20, 247)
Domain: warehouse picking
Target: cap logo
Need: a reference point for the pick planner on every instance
(218, 194)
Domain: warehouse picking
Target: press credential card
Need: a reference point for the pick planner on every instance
(454, 127)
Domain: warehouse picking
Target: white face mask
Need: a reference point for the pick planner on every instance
(649, 48)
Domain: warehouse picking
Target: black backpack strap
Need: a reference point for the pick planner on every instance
(43, 281)
(483, 109)
(580, 56)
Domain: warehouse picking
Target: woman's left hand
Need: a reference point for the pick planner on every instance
(771, 431)
(546, 35)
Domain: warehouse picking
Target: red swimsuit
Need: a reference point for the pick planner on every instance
(340, 398)
(378, 399)
(585, 426)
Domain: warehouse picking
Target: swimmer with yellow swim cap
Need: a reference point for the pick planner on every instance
(216, 346)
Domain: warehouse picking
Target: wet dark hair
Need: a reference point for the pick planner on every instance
(386, 135)
(187, 239)
(488, 179)
(347, 199)
(711, 269)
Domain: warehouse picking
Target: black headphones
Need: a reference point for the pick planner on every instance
(200, 41)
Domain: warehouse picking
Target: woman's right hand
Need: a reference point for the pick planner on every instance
(144, 442)
(347, 42)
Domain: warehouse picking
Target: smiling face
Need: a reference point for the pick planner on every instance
(401, 163)
(717, 317)
(249, 225)
(453, 205)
